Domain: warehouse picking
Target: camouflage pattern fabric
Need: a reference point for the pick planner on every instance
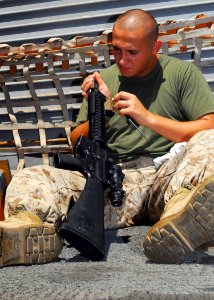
(48, 191)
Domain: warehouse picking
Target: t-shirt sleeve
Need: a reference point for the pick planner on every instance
(83, 113)
(196, 96)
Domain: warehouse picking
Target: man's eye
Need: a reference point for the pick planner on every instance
(133, 52)
(116, 49)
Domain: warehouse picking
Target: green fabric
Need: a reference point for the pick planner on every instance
(175, 89)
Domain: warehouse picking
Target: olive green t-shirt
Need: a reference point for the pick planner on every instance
(174, 89)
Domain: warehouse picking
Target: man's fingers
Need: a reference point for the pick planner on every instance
(87, 85)
(121, 96)
(98, 78)
(88, 82)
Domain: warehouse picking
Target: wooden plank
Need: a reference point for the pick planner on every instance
(5, 178)
(2, 194)
(4, 166)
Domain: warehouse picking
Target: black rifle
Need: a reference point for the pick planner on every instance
(83, 227)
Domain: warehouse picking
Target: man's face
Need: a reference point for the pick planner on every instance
(134, 55)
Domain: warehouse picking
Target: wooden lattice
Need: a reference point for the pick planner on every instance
(40, 83)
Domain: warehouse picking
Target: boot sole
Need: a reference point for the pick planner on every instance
(173, 239)
(29, 245)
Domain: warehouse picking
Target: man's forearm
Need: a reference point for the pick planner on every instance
(177, 131)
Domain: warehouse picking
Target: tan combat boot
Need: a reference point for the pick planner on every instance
(25, 239)
(186, 224)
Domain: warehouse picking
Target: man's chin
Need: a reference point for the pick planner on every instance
(126, 73)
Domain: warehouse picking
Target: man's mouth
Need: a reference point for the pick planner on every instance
(125, 70)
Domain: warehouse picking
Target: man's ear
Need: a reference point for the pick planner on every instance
(157, 46)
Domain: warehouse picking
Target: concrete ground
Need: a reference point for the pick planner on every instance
(125, 273)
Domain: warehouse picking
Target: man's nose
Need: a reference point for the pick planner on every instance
(122, 58)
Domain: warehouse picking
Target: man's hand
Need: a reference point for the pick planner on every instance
(88, 83)
(176, 131)
(129, 104)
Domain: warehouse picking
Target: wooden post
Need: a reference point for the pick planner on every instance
(5, 178)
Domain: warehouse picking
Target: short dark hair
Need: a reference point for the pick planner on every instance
(141, 16)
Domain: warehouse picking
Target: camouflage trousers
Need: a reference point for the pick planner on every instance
(48, 191)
